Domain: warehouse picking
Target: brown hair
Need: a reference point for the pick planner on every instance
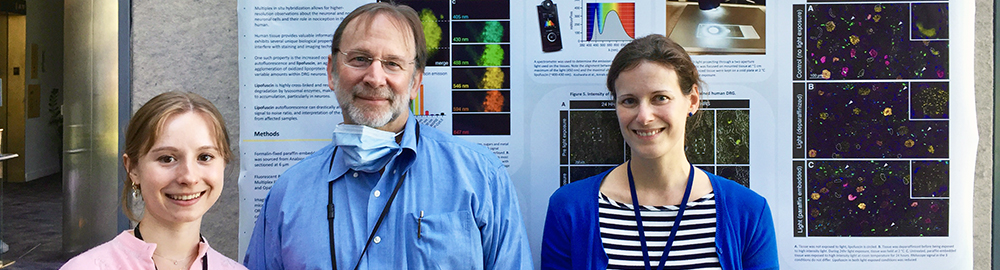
(147, 124)
(399, 14)
(657, 49)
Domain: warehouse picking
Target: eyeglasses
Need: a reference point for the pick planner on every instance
(361, 60)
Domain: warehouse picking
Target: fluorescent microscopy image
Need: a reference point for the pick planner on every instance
(870, 198)
(580, 172)
(480, 32)
(700, 132)
(480, 9)
(733, 136)
(595, 138)
(481, 55)
(480, 124)
(860, 120)
(929, 100)
(595, 143)
(930, 21)
(480, 101)
(873, 41)
(435, 18)
(930, 178)
(740, 174)
(480, 78)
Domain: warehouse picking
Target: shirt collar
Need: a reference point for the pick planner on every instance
(143, 250)
(408, 145)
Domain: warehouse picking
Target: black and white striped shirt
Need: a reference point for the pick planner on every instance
(694, 245)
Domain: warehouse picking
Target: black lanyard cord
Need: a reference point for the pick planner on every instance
(381, 217)
(204, 260)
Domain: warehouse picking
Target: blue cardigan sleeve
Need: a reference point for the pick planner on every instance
(556, 252)
(761, 251)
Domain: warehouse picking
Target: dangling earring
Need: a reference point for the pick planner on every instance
(136, 195)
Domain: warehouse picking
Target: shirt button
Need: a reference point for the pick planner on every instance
(378, 239)
(377, 193)
(355, 174)
(393, 171)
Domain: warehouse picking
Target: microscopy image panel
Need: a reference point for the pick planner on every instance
(434, 16)
(698, 141)
(480, 78)
(930, 21)
(929, 100)
(481, 55)
(733, 136)
(869, 41)
(869, 198)
(577, 173)
(930, 178)
(868, 120)
(481, 124)
(480, 101)
(480, 32)
(740, 174)
(595, 138)
(480, 9)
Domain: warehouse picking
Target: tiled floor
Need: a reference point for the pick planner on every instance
(32, 223)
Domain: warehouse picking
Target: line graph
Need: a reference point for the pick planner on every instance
(610, 21)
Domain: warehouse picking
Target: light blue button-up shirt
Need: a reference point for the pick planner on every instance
(471, 218)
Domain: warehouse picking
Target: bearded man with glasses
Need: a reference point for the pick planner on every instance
(455, 206)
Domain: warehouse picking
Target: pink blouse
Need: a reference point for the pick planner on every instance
(128, 252)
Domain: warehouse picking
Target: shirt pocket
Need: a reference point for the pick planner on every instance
(446, 241)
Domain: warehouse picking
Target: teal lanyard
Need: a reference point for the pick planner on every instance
(677, 219)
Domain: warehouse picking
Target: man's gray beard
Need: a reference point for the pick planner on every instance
(358, 115)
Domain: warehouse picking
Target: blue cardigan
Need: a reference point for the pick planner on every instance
(744, 237)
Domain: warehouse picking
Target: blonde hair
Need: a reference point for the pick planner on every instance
(147, 124)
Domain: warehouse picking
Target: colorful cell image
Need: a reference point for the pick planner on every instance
(930, 179)
(434, 16)
(929, 100)
(698, 141)
(929, 21)
(480, 9)
(480, 78)
(480, 32)
(480, 101)
(869, 120)
(869, 198)
(869, 41)
(595, 138)
(481, 124)
(481, 55)
(733, 136)
(740, 174)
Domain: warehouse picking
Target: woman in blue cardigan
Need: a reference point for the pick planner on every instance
(656, 210)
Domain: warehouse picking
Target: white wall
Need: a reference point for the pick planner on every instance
(191, 45)
(42, 142)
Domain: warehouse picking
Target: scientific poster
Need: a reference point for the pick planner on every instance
(854, 119)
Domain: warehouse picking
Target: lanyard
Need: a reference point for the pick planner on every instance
(381, 217)
(677, 219)
(204, 260)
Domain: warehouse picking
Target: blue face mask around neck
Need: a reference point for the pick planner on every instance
(366, 149)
